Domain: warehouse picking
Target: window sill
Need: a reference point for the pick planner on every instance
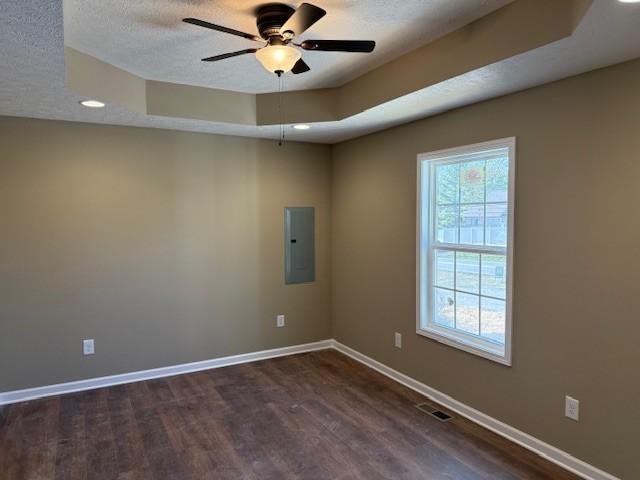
(499, 355)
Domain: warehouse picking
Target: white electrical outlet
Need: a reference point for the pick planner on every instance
(88, 347)
(571, 408)
(280, 321)
(398, 340)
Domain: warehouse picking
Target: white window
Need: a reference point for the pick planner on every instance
(465, 247)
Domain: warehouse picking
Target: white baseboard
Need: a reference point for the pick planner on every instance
(525, 440)
(541, 448)
(100, 382)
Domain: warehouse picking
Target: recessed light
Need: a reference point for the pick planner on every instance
(92, 103)
(301, 127)
(629, 1)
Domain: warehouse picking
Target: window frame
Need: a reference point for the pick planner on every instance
(424, 266)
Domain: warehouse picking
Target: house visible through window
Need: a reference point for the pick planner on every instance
(465, 225)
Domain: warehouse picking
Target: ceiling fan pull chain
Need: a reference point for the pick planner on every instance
(280, 80)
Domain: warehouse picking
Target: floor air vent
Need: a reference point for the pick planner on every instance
(439, 414)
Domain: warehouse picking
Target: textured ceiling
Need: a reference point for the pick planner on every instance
(32, 78)
(148, 38)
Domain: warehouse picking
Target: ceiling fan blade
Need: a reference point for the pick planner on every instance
(362, 46)
(300, 67)
(220, 28)
(304, 16)
(229, 55)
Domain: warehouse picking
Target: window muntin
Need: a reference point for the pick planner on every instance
(465, 247)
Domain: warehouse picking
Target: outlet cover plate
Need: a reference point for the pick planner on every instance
(571, 408)
(88, 347)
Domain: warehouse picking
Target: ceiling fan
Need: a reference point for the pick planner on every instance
(278, 25)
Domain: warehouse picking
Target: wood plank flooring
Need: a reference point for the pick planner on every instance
(312, 416)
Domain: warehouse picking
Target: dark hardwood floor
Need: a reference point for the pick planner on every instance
(311, 416)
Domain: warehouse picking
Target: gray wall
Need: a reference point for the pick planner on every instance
(166, 247)
(577, 261)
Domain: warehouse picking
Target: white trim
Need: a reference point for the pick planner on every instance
(460, 341)
(549, 452)
(100, 382)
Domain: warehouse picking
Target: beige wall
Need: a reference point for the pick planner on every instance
(166, 247)
(577, 261)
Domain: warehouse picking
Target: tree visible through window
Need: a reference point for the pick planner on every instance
(465, 245)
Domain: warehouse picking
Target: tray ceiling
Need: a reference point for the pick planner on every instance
(32, 77)
(148, 38)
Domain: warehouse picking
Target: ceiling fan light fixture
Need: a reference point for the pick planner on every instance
(278, 58)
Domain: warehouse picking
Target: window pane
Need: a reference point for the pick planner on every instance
(444, 261)
(444, 304)
(496, 225)
(493, 319)
(497, 179)
(472, 224)
(447, 177)
(494, 275)
(472, 182)
(467, 313)
(468, 272)
(447, 224)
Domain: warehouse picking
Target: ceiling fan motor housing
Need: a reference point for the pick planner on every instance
(271, 17)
